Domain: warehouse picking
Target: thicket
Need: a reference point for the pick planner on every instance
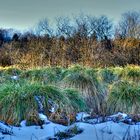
(85, 40)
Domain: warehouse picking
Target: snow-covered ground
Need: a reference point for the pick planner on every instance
(106, 131)
(34, 132)
(101, 131)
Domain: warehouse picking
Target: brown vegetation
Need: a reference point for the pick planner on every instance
(84, 40)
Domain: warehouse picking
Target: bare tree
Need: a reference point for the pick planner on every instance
(43, 28)
(82, 26)
(4, 37)
(104, 27)
(129, 26)
(101, 27)
(92, 23)
(64, 27)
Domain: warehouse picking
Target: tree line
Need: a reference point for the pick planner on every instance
(85, 40)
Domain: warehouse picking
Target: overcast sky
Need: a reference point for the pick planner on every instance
(23, 14)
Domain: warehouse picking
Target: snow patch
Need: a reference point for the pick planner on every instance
(43, 118)
(14, 77)
(81, 116)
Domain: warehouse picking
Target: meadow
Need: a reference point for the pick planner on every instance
(98, 91)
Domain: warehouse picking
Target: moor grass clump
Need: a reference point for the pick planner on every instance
(18, 99)
(124, 96)
(73, 89)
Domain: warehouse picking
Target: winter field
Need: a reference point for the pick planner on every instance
(76, 103)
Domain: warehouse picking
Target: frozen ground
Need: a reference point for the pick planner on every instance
(102, 131)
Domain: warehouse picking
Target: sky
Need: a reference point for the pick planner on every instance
(24, 14)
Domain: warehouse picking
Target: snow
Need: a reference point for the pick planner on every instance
(33, 132)
(23, 123)
(53, 106)
(123, 115)
(52, 110)
(43, 118)
(14, 77)
(105, 131)
(4, 128)
(81, 116)
(102, 131)
(138, 123)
